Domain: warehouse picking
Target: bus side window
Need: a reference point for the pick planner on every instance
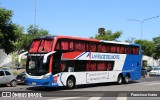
(108, 48)
(58, 45)
(92, 47)
(87, 46)
(99, 49)
(93, 66)
(104, 48)
(118, 49)
(63, 67)
(101, 66)
(122, 49)
(64, 45)
(71, 46)
(113, 49)
(110, 65)
(70, 69)
(70, 66)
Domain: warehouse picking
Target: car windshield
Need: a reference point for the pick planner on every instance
(35, 66)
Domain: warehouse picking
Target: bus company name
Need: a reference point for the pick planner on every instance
(104, 56)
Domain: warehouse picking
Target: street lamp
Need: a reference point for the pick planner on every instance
(141, 22)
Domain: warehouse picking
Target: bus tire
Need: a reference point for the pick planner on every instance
(119, 79)
(126, 79)
(70, 83)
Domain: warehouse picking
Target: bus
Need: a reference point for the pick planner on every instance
(54, 61)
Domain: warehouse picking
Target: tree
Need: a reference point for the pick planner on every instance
(26, 39)
(148, 47)
(107, 35)
(9, 32)
(156, 41)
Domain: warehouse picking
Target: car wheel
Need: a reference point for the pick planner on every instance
(13, 83)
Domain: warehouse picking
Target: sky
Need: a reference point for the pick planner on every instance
(82, 18)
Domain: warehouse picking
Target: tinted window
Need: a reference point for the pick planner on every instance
(7, 73)
(1, 73)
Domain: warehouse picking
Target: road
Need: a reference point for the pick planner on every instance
(133, 91)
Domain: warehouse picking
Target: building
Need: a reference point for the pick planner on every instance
(151, 61)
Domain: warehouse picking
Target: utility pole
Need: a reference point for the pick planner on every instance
(35, 14)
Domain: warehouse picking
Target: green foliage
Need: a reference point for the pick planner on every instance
(26, 39)
(15, 73)
(148, 47)
(156, 41)
(9, 32)
(107, 35)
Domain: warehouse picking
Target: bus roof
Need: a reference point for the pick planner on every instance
(88, 39)
(123, 43)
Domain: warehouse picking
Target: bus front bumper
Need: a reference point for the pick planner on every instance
(41, 82)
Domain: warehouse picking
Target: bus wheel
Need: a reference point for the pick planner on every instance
(126, 79)
(70, 83)
(119, 80)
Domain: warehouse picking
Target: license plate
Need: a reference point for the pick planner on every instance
(18, 80)
(33, 83)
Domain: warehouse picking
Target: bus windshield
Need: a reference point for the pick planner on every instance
(41, 45)
(36, 67)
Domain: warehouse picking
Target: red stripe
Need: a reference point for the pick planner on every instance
(71, 55)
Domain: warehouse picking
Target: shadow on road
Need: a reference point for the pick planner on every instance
(41, 88)
(3, 85)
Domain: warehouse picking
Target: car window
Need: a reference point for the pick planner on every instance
(1, 73)
(7, 73)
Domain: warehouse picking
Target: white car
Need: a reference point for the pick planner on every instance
(155, 71)
(7, 77)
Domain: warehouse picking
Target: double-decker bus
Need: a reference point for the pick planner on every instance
(54, 61)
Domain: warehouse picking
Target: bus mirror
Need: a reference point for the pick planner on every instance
(46, 56)
(20, 56)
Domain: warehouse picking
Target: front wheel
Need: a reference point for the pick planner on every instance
(119, 80)
(70, 83)
(13, 83)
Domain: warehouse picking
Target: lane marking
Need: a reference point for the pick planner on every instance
(65, 98)
(153, 84)
(144, 83)
(98, 97)
(94, 98)
(122, 96)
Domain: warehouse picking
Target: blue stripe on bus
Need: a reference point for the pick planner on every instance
(81, 55)
(132, 65)
(42, 82)
(61, 79)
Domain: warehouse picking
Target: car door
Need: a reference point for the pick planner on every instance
(2, 77)
(8, 76)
